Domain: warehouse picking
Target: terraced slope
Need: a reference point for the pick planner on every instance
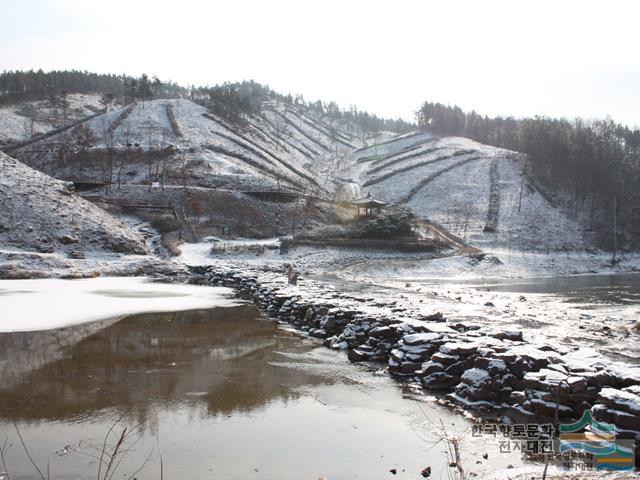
(20, 122)
(285, 146)
(477, 192)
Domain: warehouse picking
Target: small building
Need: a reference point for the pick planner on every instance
(368, 206)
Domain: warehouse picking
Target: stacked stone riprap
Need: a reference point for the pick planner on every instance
(484, 370)
(413, 350)
(620, 407)
(556, 392)
(479, 369)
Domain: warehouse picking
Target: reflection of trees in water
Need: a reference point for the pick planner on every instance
(219, 359)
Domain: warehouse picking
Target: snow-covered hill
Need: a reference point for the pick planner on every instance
(286, 144)
(478, 192)
(20, 122)
(42, 215)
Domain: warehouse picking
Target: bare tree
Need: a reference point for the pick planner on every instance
(165, 151)
(28, 132)
(81, 142)
(185, 171)
(106, 100)
(152, 160)
(615, 230)
(106, 165)
(58, 102)
(309, 207)
(436, 432)
(125, 157)
(281, 131)
(465, 217)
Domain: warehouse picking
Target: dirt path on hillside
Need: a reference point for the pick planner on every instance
(445, 234)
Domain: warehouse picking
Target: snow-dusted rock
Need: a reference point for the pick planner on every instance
(459, 348)
(476, 376)
(620, 400)
(420, 338)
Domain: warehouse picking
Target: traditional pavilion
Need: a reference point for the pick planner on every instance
(368, 206)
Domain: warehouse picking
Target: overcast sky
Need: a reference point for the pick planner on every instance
(556, 58)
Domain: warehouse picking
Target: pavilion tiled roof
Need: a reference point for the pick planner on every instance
(368, 201)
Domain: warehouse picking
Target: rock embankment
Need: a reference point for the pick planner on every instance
(488, 370)
(620, 407)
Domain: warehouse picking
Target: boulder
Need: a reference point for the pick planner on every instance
(459, 348)
(430, 367)
(476, 376)
(546, 380)
(383, 332)
(548, 409)
(517, 397)
(68, 239)
(407, 368)
(420, 338)
(458, 368)
(356, 355)
(635, 389)
(444, 358)
(622, 400)
(439, 381)
(474, 394)
(419, 352)
(576, 384)
(513, 335)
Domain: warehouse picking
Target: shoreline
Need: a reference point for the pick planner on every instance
(493, 373)
(385, 334)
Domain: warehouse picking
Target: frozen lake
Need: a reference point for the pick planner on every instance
(28, 305)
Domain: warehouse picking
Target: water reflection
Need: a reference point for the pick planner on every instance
(619, 289)
(222, 393)
(223, 358)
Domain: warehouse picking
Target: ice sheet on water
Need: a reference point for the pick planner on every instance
(28, 305)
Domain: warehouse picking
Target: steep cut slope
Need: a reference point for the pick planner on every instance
(476, 191)
(41, 214)
(163, 139)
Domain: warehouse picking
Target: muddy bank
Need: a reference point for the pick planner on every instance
(490, 370)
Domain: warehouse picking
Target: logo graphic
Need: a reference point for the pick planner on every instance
(598, 439)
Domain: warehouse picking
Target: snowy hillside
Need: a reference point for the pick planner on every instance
(285, 144)
(20, 122)
(41, 214)
(476, 191)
